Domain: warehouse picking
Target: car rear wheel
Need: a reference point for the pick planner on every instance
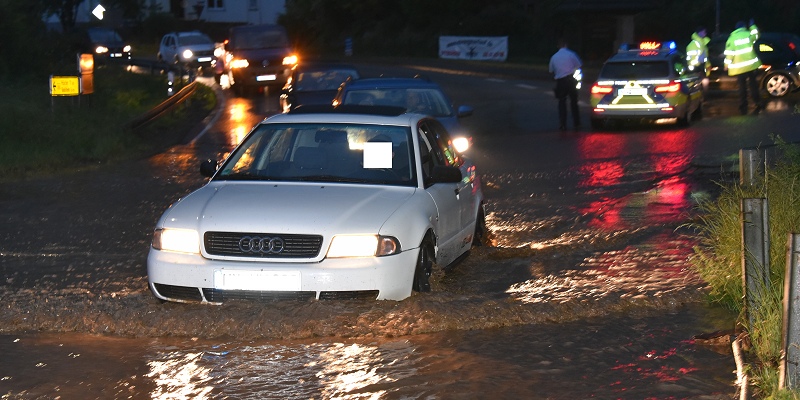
(597, 123)
(777, 85)
(422, 272)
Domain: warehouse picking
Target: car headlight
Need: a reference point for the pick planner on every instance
(126, 49)
(101, 49)
(177, 240)
(187, 54)
(363, 246)
(239, 63)
(290, 60)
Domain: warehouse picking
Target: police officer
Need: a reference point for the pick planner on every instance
(742, 62)
(563, 64)
(697, 51)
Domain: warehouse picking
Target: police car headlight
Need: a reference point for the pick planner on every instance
(362, 246)
(126, 49)
(177, 240)
(187, 54)
(101, 49)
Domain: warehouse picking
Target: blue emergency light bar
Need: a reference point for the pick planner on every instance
(649, 46)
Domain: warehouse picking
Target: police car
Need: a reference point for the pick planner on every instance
(649, 81)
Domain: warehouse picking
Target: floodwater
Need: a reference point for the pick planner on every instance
(587, 292)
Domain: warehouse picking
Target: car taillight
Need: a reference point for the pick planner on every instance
(671, 88)
(597, 89)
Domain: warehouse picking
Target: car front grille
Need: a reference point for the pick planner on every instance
(293, 246)
(220, 296)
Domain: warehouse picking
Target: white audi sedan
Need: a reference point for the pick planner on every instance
(322, 203)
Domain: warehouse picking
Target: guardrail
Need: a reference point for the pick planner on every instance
(171, 102)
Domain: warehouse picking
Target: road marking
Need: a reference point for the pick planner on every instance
(524, 86)
(496, 80)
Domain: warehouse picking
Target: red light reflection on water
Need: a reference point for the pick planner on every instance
(605, 165)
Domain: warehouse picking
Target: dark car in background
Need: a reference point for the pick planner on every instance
(418, 95)
(256, 56)
(314, 83)
(104, 43)
(780, 58)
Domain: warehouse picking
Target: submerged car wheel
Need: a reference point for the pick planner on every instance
(422, 273)
(777, 85)
(481, 237)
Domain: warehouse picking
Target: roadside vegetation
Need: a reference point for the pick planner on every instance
(718, 260)
(45, 134)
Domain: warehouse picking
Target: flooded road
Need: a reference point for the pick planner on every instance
(587, 292)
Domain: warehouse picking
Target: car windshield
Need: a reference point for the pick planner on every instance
(323, 80)
(266, 39)
(419, 100)
(635, 70)
(104, 36)
(324, 152)
(186, 40)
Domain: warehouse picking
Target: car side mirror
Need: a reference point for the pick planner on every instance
(465, 111)
(445, 174)
(208, 168)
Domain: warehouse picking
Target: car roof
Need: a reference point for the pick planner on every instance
(391, 83)
(642, 55)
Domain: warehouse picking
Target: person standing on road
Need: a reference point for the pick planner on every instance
(563, 65)
(742, 62)
(697, 51)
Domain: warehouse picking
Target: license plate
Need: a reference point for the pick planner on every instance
(257, 280)
(203, 59)
(632, 92)
(262, 78)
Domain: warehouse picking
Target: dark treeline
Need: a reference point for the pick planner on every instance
(405, 27)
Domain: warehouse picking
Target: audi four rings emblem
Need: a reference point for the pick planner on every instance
(262, 245)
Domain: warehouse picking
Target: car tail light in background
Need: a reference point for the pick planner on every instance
(673, 87)
(598, 89)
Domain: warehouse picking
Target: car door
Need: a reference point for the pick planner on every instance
(450, 198)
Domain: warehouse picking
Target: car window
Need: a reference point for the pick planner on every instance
(266, 39)
(632, 70)
(187, 40)
(435, 148)
(354, 153)
(421, 100)
(322, 80)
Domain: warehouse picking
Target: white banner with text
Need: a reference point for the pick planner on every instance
(494, 48)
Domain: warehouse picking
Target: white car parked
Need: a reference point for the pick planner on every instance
(355, 202)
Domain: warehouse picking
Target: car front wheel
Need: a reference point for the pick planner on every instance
(422, 272)
(777, 85)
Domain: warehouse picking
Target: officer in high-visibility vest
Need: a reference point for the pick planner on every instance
(742, 62)
(697, 52)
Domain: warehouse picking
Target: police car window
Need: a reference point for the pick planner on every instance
(635, 70)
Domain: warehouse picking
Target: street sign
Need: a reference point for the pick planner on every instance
(65, 85)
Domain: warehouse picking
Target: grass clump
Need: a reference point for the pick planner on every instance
(44, 134)
(718, 259)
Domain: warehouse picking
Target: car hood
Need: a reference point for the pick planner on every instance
(299, 208)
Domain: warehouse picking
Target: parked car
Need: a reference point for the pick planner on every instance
(193, 49)
(105, 44)
(322, 204)
(779, 53)
(314, 83)
(256, 56)
(419, 95)
(648, 81)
